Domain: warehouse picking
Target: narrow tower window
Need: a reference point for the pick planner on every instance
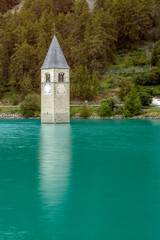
(47, 77)
(61, 77)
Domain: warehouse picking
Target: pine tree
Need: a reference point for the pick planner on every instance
(99, 4)
(87, 38)
(132, 104)
(133, 20)
(100, 39)
(26, 85)
(79, 19)
(2, 68)
(155, 59)
(125, 88)
(23, 61)
(7, 4)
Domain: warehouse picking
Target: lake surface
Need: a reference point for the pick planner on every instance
(91, 180)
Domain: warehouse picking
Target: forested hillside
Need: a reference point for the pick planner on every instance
(7, 4)
(91, 40)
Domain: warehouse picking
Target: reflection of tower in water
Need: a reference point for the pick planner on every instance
(55, 157)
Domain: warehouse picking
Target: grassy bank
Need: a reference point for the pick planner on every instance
(152, 112)
(9, 110)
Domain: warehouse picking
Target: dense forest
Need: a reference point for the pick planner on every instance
(7, 4)
(90, 40)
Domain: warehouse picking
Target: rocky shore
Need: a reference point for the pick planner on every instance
(13, 116)
(18, 116)
(120, 117)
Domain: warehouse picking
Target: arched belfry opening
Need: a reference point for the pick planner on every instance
(61, 77)
(47, 77)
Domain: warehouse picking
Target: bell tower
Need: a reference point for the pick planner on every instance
(55, 86)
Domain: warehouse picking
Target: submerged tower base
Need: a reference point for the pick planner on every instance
(57, 119)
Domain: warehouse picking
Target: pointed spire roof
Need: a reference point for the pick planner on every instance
(55, 57)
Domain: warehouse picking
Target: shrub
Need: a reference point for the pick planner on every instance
(155, 58)
(132, 104)
(36, 114)
(141, 79)
(30, 107)
(119, 111)
(155, 92)
(105, 110)
(85, 112)
(154, 76)
(84, 85)
(74, 111)
(146, 98)
(128, 62)
(110, 101)
(111, 85)
(14, 100)
(140, 61)
(125, 87)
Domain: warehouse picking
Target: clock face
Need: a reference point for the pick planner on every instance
(61, 89)
(47, 89)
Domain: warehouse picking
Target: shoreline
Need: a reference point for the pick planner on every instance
(17, 117)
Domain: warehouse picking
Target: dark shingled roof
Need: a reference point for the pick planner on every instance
(55, 57)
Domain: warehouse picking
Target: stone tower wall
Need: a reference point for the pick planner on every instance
(55, 108)
(62, 102)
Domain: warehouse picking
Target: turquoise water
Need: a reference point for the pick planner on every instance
(91, 180)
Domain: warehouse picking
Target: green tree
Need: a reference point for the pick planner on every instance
(7, 4)
(125, 88)
(132, 105)
(94, 84)
(154, 76)
(26, 85)
(85, 112)
(23, 61)
(55, 6)
(2, 68)
(155, 58)
(77, 22)
(30, 107)
(99, 4)
(88, 38)
(105, 110)
(141, 78)
(100, 39)
(110, 101)
(133, 20)
(146, 98)
(84, 86)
